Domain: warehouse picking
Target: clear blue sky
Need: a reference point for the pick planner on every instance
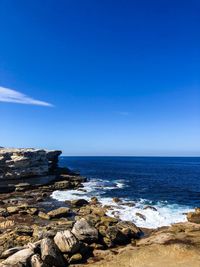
(123, 76)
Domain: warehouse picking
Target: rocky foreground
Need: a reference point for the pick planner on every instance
(36, 231)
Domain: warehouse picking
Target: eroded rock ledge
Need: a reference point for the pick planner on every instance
(28, 167)
(27, 162)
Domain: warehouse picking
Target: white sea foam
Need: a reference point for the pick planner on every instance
(164, 215)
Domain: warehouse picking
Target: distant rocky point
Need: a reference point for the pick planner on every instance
(27, 162)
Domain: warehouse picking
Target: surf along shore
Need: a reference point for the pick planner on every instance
(38, 231)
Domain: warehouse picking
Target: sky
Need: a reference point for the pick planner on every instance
(101, 77)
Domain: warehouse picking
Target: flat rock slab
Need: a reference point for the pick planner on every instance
(58, 213)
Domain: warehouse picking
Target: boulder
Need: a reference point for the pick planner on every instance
(13, 209)
(150, 207)
(67, 242)
(50, 254)
(84, 231)
(129, 229)
(32, 211)
(43, 215)
(58, 213)
(79, 202)
(94, 201)
(108, 221)
(115, 237)
(99, 211)
(140, 215)
(76, 258)
(23, 256)
(62, 185)
(36, 261)
(7, 253)
(117, 200)
(194, 217)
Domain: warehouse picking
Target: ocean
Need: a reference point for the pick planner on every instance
(171, 185)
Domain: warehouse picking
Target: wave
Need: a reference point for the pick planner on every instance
(142, 212)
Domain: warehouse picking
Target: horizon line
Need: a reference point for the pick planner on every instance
(138, 156)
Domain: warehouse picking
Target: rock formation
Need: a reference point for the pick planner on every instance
(26, 163)
(194, 217)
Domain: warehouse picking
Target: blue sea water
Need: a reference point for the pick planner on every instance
(170, 184)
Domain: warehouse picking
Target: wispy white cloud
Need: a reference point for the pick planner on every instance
(12, 96)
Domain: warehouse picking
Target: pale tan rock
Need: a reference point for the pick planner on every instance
(58, 213)
(67, 242)
(194, 217)
(7, 253)
(129, 229)
(43, 215)
(84, 231)
(27, 162)
(22, 256)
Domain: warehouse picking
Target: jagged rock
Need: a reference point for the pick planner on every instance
(129, 229)
(62, 185)
(13, 209)
(150, 207)
(194, 217)
(93, 219)
(79, 202)
(43, 215)
(58, 213)
(117, 200)
(140, 215)
(84, 231)
(129, 204)
(99, 211)
(16, 209)
(23, 256)
(108, 221)
(115, 237)
(32, 211)
(102, 230)
(67, 242)
(50, 254)
(94, 201)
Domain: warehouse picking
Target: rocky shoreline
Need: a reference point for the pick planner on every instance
(39, 232)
